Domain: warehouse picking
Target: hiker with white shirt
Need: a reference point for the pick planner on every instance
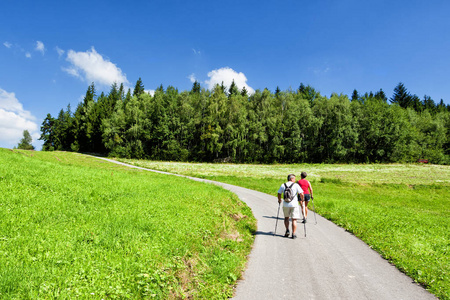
(291, 208)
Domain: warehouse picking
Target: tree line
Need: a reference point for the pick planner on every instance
(227, 124)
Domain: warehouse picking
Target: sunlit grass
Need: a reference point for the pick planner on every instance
(412, 174)
(73, 226)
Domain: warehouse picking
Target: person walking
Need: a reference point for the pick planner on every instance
(290, 191)
(308, 194)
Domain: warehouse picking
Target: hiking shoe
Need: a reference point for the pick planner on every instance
(287, 233)
(305, 220)
(294, 236)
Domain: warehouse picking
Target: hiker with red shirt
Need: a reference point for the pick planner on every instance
(308, 194)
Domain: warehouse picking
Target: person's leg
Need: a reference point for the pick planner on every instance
(295, 217)
(305, 204)
(294, 226)
(287, 213)
(286, 222)
(302, 203)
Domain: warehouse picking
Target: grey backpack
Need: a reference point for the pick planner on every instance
(289, 193)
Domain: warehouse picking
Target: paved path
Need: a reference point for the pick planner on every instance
(329, 263)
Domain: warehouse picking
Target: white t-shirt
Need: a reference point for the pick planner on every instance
(295, 188)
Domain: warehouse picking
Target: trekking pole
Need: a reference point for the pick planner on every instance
(304, 226)
(276, 223)
(304, 217)
(315, 218)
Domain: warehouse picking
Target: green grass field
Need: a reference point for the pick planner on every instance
(401, 211)
(75, 227)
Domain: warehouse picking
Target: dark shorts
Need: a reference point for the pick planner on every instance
(307, 197)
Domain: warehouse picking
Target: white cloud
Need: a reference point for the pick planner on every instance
(72, 71)
(92, 67)
(28, 55)
(60, 51)
(196, 52)
(227, 75)
(14, 120)
(7, 44)
(40, 47)
(192, 78)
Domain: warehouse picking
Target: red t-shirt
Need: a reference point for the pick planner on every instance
(304, 184)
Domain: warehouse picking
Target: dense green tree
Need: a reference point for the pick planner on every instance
(83, 122)
(229, 125)
(134, 132)
(295, 122)
(429, 104)
(371, 124)
(337, 136)
(401, 96)
(355, 95)
(113, 131)
(381, 95)
(277, 91)
(309, 93)
(302, 88)
(25, 142)
(47, 133)
(196, 87)
(244, 92)
(441, 106)
(416, 104)
(63, 130)
(233, 90)
(138, 88)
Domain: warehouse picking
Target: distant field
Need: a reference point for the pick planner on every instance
(75, 227)
(402, 211)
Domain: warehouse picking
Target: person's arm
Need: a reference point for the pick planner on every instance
(310, 189)
(302, 196)
(279, 198)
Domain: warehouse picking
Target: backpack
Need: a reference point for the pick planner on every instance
(289, 193)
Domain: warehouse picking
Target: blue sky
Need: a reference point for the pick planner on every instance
(50, 51)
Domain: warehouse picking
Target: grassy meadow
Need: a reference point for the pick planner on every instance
(400, 210)
(75, 227)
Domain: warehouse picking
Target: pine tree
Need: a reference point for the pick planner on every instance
(355, 95)
(47, 133)
(244, 92)
(301, 88)
(25, 142)
(233, 90)
(277, 91)
(138, 88)
(223, 88)
(196, 87)
(428, 103)
(401, 96)
(416, 104)
(381, 95)
(128, 96)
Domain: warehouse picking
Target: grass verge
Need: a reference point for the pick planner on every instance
(72, 226)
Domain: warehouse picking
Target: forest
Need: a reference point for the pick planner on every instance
(229, 125)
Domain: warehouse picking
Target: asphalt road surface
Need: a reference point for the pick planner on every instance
(329, 263)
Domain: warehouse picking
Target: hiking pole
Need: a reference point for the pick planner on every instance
(304, 217)
(304, 226)
(315, 218)
(276, 223)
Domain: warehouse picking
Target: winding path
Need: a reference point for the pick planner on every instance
(329, 263)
